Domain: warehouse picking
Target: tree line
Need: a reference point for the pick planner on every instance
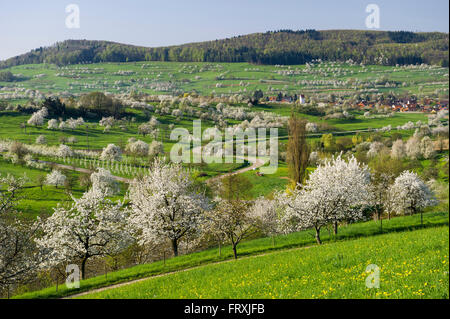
(274, 47)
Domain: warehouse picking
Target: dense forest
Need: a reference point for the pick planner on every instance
(273, 47)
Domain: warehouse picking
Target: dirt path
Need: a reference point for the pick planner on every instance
(181, 270)
(255, 164)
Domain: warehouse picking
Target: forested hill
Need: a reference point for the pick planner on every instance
(278, 47)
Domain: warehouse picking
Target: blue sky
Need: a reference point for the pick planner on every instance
(30, 24)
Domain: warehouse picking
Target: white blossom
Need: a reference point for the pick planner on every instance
(37, 118)
(55, 178)
(52, 124)
(111, 152)
(139, 148)
(156, 148)
(330, 195)
(375, 149)
(92, 226)
(266, 215)
(41, 139)
(398, 150)
(103, 181)
(107, 121)
(311, 127)
(413, 148)
(409, 194)
(64, 151)
(427, 147)
(164, 205)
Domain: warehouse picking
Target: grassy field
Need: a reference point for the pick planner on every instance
(267, 184)
(412, 264)
(178, 77)
(413, 258)
(96, 137)
(36, 201)
(249, 248)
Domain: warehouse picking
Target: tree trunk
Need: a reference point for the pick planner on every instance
(234, 251)
(83, 268)
(335, 228)
(220, 248)
(381, 223)
(318, 235)
(175, 247)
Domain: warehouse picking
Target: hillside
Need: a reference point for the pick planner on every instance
(411, 264)
(284, 244)
(278, 47)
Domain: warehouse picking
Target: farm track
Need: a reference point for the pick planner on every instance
(182, 270)
(256, 162)
(281, 250)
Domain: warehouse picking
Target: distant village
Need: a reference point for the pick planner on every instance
(406, 105)
(401, 105)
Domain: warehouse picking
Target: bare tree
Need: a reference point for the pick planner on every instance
(40, 180)
(232, 216)
(232, 219)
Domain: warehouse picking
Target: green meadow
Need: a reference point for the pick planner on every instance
(45, 200)
(202, 78)
(350, 233)
(412, 258)
(412, 264)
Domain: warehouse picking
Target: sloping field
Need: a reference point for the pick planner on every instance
(412, 264)
(248, 249)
